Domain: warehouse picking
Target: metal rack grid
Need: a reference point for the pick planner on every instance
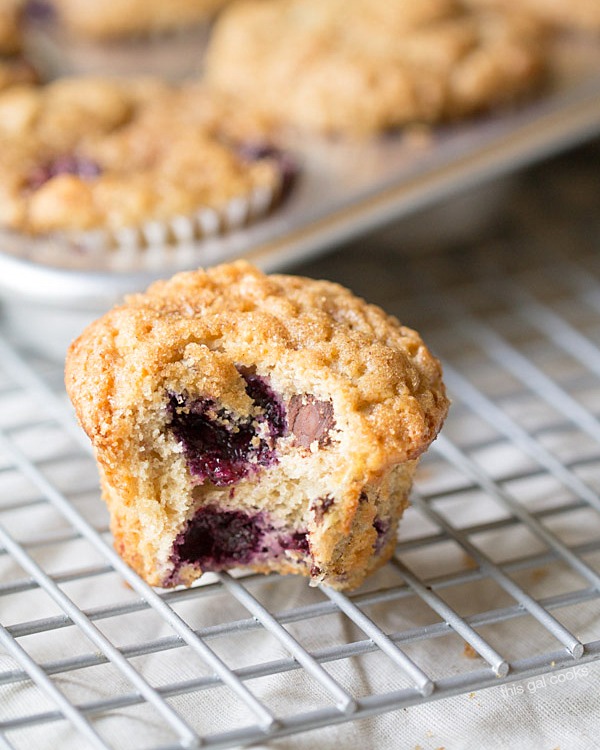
(469, 601)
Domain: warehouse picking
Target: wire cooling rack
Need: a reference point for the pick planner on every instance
(496, 575)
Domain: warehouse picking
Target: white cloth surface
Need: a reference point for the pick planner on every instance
(561, 715)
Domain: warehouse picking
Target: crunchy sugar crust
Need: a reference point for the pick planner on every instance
(143, 150)
(363, 66)
(191, 335)
(106, 20)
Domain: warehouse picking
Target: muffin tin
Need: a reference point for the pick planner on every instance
(52, 287)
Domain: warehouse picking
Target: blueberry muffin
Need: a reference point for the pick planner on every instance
(126, 18)
(14, 69)
(271, 423)
(365, 66)
(87, 153)
(10, 26)
(581, 15)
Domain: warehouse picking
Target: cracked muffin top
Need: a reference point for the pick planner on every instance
(305, 336)
(87, 153)
(363, 66)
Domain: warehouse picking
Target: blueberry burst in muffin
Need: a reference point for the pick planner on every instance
(272, 423)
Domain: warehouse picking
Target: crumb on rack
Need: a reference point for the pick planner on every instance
(538, 574)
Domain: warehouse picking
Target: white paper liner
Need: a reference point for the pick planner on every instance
(205, 223)
(181, 241)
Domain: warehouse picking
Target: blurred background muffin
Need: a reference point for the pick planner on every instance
(14, 68)
(580, 15)
(10, 26)
(367, 66)
(131, 18)
(120, 37)
(96, 153)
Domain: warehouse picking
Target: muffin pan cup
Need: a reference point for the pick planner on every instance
(53, 286)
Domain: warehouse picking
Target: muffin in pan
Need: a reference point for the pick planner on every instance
(272, 423)
(97, 154)
(579, 15)
(14, 68)
(11, 38)
(129, 18)
(365, 66)
(124, 37)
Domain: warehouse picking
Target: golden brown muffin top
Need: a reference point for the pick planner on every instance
(306, 336)
(362, 66)
(90, 152)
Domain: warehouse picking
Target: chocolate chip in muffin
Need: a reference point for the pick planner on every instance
(222, 380)
(320, 506)
(310, 420)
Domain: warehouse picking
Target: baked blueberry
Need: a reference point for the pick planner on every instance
(218, 446)
(272, 423)
(84, 153)
(86, 169)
